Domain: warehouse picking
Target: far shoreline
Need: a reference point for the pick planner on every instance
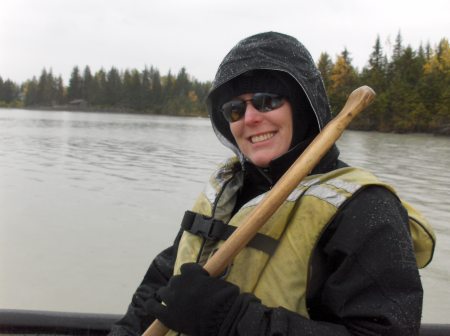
(443, 131)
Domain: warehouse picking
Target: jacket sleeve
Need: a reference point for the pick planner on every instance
(136, 320)
(364, 279)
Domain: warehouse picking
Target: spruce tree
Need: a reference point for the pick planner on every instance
(145, 92)
(325, 66)
(374, 75)
(113, 88)
(132, 90)
(60, 91)
(87, 86)
(98, 89)
(403, 92)
(156, 96)
(9, 93)
(1, 89)
(436, 87)
(75, 89)
(30, 89)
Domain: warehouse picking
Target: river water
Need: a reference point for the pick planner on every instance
(88, 199)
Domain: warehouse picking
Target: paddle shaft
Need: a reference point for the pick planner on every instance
(357, 101)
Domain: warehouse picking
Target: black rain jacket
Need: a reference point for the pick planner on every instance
(364, 279)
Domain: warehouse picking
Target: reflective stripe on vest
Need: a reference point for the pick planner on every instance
(281, 280)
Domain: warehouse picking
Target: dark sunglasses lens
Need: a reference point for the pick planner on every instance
(233, 110)
(265, 102)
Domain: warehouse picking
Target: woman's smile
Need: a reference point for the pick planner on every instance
(263, 136)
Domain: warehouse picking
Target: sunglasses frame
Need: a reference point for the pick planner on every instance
(258, 101)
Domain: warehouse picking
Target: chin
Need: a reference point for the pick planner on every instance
(259, 162)
(263, 159)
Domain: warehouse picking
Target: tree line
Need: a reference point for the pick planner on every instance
(413, 91)
(413, 87)
(127, 91)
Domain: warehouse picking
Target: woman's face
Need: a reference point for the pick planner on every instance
(263, 136)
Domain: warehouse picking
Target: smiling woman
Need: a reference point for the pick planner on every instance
(263, 136)
(307, 270)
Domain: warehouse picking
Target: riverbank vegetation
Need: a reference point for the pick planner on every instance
(413, 89)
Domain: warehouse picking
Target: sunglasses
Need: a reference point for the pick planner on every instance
(263, 102)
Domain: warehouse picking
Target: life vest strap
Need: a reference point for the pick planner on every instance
(213, 229)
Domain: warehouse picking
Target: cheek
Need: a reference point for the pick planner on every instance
(290, 133)
(236, 129)
(286, 120)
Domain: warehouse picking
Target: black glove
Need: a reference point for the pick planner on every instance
(195, 303)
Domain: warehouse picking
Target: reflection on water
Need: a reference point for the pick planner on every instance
(87, 199)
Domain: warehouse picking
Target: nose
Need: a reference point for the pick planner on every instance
(252, 115)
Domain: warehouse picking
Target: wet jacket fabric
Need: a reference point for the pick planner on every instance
(301, 218)
(363, 280)
(363, 275)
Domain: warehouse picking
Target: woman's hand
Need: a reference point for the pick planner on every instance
(194, 303)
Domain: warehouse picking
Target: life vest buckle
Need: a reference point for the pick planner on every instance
(214, 230)
(204, 226)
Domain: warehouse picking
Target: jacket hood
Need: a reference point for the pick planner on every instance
(268, 51)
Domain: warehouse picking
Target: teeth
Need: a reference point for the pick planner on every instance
(262, 137)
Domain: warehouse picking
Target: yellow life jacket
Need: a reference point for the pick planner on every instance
(282, 279)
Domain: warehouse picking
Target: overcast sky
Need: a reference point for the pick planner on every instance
(196, 34)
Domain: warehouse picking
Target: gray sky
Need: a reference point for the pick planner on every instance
(196, 34)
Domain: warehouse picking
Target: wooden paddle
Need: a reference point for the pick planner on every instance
(357, 101)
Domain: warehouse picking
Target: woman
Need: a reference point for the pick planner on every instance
(337, 258)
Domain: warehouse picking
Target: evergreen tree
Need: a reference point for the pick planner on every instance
(60, 91)
(46, 91)
(428, 51)
(30, 90)
(146, 88)
(183, 99)
(127, 94)
(132, 90)
(1, 89)
(113, 88)
(398, 47)
(98, 89)
(375, 76)
(325, 66)
(421, 54)
(87, 85)
(156, 96)
(377, 59)
(402, 93)
(136, 85)
(435, 88)
(201, 91)
(75, 89)
(167, 91)
(9, 92)
(182, 84)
